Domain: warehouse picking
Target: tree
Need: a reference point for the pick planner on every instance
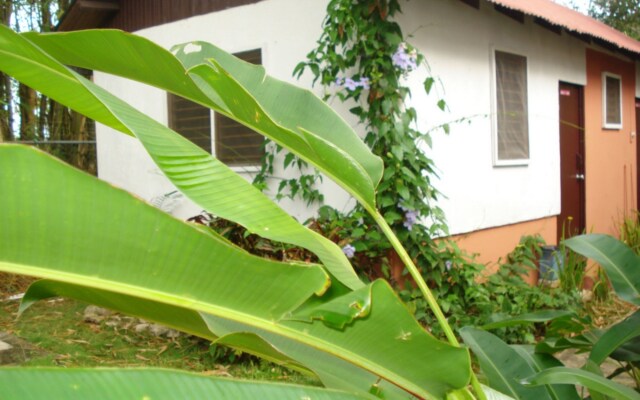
(623, 15)
(26, 115)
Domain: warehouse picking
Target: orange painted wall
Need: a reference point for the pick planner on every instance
(494, 243)
(609, 154)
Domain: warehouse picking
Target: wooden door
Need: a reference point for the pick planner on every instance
(572, 163)
(638, 154)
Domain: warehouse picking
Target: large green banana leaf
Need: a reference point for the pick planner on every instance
(183, 319)
(333, 370)
(148, 384)
(505, 366)
(620, 263)
(64, 225)
(286, 113)
(201, 177)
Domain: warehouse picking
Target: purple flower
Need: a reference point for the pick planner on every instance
(404, 60)
(351, 84)
(410, 217)
(447, 265)
(349, 251)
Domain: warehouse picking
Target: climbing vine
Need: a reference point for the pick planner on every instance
(363, 59)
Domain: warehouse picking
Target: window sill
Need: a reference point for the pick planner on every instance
(511, 163)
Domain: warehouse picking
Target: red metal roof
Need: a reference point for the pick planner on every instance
(572, 20)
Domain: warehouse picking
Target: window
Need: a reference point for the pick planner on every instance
(191, 120)
(511, 124)
(611, 101)
(235, 144)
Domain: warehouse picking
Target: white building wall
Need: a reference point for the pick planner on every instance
(456, 39)
(285, 30)
(458, 42)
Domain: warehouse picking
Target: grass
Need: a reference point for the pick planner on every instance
(58, 335)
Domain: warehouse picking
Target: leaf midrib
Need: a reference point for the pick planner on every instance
(223, 312)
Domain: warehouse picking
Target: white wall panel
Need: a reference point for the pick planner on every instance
(456, 39)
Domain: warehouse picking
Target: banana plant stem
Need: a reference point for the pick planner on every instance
(426, 292)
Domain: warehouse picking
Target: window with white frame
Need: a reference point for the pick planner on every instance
(511, 122)
(611, 101)
(234, 143)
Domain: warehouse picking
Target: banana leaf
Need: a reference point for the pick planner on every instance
(505, 366)
(620, 263)
(96, 240)
(201, 177)
(574, 376)
(615, 337)
(149, 384)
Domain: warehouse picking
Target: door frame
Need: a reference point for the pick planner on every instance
(581, 169)
(637, 115)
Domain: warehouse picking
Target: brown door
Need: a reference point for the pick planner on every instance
(572, 172)
(638, 154)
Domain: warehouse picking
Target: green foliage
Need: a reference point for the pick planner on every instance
(96, 243)
(117, 384)
(506, 366)
(355, 60)
(620, 14)
(618, 261)
(362, 58)
(630, 232)
(506, 293)
(466, 294)
(573, 270)
(619, 341)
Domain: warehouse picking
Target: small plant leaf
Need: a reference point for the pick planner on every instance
(620, 263)
(615, 337)
(574, 376)
(502, 365)
(501, 320)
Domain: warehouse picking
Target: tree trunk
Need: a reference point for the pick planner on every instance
(28, 119)
(6, 100)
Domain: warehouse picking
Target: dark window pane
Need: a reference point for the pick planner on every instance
(191, 120)
(511, 101)
(235, 143)
(612, 101)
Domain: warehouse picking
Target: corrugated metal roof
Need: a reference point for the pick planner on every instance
(572, 21)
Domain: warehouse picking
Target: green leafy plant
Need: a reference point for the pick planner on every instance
(317, 318)
(362, 59)
(506, 295)
(630, 232)
(533, 366)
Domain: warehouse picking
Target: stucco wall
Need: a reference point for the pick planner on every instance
(285, 30)
(610, 153)
(637, 79)
(458, 41)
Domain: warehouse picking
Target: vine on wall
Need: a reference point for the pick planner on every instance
(363, 59)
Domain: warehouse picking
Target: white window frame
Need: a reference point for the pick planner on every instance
(605, 124)
(494, 109)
